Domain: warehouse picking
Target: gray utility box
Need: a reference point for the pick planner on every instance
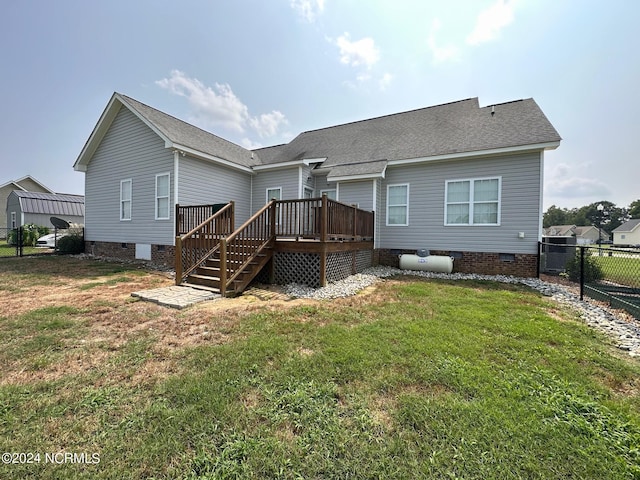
(556, 252)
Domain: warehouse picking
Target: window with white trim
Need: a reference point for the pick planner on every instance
(162, 196)
(473, 201)
(125, 199)
(331, 193)
(274, 193)
(398, 205)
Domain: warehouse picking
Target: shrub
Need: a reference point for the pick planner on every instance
(592, 271)
(72, 244)
(30, 235)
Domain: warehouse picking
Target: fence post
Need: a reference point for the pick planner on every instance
(582, 273)
(20, 241)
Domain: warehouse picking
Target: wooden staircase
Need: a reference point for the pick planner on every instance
(208, 275)
(213, 257)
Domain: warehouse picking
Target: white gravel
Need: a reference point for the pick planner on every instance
(623, 329)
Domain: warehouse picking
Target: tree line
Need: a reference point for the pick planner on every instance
(608, 218)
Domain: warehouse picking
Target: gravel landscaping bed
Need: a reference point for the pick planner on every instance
(621, 327)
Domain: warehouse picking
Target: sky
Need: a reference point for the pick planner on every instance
(259, 72)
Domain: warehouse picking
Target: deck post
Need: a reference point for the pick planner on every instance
(176, 213)
(233, 217)
(178, 260)
(323, 266)
(324, 215)
(223, 267)
(355, 221)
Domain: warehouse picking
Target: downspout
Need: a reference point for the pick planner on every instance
(300, 188)
(375, 207)
(176, 198)
(541, 195)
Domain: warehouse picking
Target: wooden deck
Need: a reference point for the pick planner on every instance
(211, 253)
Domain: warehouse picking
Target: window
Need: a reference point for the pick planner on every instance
(162, 196)
(330, 193)
(14, 222)
(125, 199)
(307, 192)
(398, 205)
(274, 193)
(473, 202)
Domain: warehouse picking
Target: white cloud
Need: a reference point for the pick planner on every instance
(385, 81)
(267, 124)
(220, 107)
(560, 182)
(309, 10)
(250, 144)
(360, 52)
(440, 54)
(491, 21)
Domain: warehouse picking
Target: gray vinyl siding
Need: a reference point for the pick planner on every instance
(520, 206)
(286, 178)
(322, 184)
(201, 183)
(129, 150)
(357, 193)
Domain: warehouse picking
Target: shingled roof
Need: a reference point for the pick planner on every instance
(452, 128)
(362, 148)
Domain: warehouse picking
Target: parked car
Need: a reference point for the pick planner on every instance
(49, 241)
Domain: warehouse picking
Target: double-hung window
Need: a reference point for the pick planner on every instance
(398, 205)
(162, 196)
(125, 199)
(473, 201)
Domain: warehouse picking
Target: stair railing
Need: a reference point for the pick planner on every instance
(194, 247)
(243, 246)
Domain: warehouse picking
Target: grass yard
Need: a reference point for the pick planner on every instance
(622, 270)
(409, 379)
(7, 250)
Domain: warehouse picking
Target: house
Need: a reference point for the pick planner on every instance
(25, 184)
(37, 208)
(628, 233)
(585, 235)
(457, 179)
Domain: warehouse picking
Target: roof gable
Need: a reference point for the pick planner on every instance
(629, 226)
(19, 184)
(175, 133)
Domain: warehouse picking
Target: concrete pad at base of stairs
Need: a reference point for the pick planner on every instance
(175, 296)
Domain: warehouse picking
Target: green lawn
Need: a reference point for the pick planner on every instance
(7, 250)
(622, 270)
(419, 379)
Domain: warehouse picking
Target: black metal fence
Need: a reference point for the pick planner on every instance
(605, 273)
(25, 241)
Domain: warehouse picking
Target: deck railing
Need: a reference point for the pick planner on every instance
(243, 246)
(195, 246)
(189, 217)
(322, 219)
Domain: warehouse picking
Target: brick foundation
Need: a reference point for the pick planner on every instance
(519, 265)
(163, 255)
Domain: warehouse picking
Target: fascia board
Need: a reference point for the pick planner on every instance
(276, 166)
(477, 153)
(205, 156)
(104, 122)
(363, 176)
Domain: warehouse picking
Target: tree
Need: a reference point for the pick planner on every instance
(555, 216)
(634, 209)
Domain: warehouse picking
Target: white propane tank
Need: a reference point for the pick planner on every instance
(432, 263)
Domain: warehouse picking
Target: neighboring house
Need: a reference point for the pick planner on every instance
(456, 179)
(628, 233)
(585, 235)
(25, 184)
(37, 208)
